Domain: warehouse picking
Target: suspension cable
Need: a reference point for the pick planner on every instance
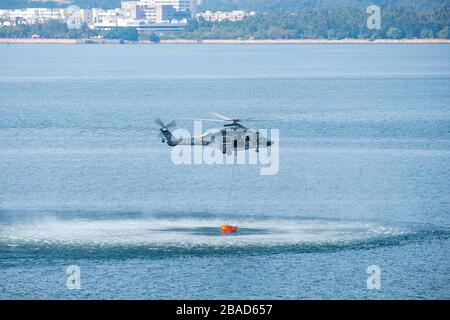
(231, 181)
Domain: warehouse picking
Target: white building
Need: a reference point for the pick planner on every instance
(33, 15)
(131, 13)
(177, 4)
(222, 16)
(180, 5)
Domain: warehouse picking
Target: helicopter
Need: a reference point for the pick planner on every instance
(233, 136)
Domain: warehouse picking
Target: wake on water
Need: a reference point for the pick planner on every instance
(156, 235)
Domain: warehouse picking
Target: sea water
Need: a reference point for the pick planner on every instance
(364, 176)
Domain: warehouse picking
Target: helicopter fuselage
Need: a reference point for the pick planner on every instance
(233, 137)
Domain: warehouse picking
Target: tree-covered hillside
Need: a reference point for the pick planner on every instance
(330, 23)
(309, 19)
(301, 5)
(227, 5)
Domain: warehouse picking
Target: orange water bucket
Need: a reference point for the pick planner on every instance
(226, 228)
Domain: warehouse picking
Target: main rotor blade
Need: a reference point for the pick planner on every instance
(215, 120)
(159, 122)
(171, 124)
(218, 115)
(254, 119)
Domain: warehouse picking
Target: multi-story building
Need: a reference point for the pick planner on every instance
(221, 16)
(86, 16)
(33, 15)
(178, 5)
(134, 8)
(159, 10)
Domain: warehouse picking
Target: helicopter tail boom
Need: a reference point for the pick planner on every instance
(168, 137)
(165, 134)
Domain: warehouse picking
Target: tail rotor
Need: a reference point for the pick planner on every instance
(160, 123)
(165, 134)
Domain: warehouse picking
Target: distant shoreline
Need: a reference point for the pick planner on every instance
(306, 41)
(220, 41)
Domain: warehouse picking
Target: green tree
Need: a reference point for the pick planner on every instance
(426, 33)
(443, 34)
(154, 38)
(394, 33)
(128, 34)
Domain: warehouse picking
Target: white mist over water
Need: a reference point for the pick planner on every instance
(185, 232)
